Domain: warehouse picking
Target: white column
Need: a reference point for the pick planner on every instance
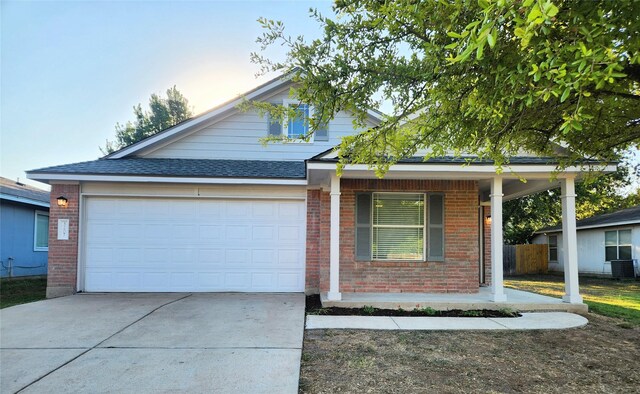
(334, 243)
(497, 285)
(570, 240)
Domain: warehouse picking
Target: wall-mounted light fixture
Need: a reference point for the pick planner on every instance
(487, 220)
(62, 201)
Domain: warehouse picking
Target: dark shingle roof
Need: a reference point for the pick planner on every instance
(201, 168)
(606, 219)
(15, 189)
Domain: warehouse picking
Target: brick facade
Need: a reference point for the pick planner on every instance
(63, 254)
(457, 273)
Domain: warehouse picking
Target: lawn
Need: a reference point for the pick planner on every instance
(608, 297)
(21, 291)
(599, 358)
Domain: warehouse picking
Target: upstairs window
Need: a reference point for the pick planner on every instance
(298, 127)
(617, 245)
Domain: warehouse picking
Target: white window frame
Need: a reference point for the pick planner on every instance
(618, 244)
(424, 226)
(553, 247)
(37, 248)
(285, 124)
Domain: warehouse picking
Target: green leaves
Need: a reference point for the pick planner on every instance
(163, 113)
(484, 77)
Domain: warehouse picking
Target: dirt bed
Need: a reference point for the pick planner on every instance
(602, 357)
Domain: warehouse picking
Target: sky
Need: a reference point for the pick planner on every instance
(69, 71)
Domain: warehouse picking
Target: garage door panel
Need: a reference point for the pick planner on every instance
(194, 245)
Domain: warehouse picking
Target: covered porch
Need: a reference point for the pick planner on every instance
(515, 299)
(492, 189)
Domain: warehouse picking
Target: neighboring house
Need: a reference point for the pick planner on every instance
(24, 229)
(601, 238)
(205, 206)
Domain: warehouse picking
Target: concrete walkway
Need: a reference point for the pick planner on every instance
(528, 321)
(150, 343)
(518, 300)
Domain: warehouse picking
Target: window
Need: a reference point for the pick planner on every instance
(617, 245)
(391, 226)
(41, 232)
(553, 248)
(299, 126)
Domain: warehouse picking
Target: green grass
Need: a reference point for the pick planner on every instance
(608, 297)
(20, 291)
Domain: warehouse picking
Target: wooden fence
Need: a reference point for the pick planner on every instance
(525, 259)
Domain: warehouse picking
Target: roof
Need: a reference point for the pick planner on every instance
(621, 217)
(459, 160)
(201, 168)
(19, 192)
(192, 124)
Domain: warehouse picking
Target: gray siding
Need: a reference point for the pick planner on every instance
(238, 137)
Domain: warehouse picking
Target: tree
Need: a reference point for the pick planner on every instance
(162, 114)
(524, 216)
(485, 77)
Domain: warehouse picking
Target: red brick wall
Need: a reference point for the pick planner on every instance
(459, 271)
(313, 242)
(63, 255)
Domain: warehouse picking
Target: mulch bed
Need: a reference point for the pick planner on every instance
(314, 307)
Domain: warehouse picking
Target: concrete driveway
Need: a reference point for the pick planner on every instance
(151, 343)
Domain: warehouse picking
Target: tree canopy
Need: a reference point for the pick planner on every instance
(484, 77)
(164, 112)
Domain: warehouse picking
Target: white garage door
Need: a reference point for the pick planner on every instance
(184, 245)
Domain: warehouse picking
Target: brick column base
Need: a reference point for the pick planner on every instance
(63, 254)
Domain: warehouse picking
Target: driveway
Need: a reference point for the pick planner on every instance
(150, 343)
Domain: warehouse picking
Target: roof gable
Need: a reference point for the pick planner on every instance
(192, 124)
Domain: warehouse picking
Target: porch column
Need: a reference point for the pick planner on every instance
(569, 237)
(497, 286)
(334, 243)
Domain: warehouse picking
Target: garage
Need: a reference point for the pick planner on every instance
(193, 245)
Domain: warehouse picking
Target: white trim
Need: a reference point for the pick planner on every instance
(486, 169)
(24, 200)
(497, 277)
(159, 179)
(192, 196)
(594, 226)
(37, 248)
(334, 241)
(569, 242)
(80, 264)
(200, 119)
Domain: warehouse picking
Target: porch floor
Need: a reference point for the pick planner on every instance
(516, 300)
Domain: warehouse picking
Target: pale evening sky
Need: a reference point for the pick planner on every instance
(71, 70)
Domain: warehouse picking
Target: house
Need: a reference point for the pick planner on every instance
(601, 239)
(24, 229)
(205, 206)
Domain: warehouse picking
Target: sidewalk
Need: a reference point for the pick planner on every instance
(528, 321)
